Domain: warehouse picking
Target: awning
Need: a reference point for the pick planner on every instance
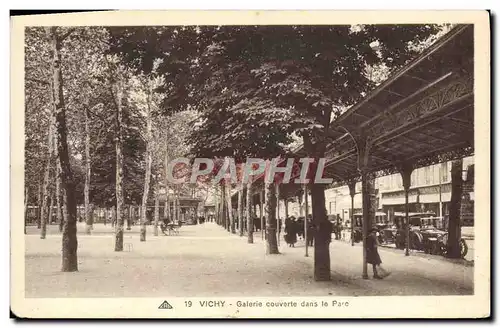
(398, 200)
(434, 198)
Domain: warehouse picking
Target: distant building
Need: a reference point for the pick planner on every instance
(430, 192)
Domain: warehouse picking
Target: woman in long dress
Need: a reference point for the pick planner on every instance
(290, 232)
(372, 255)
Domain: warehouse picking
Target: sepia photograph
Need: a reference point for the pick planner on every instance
(250, 165)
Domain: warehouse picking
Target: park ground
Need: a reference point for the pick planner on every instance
(205, 260)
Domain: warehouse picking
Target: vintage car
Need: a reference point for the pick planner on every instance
(416, 239)
(380, 223)
(427, 234)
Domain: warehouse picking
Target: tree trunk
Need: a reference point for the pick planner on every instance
(145, 200)
(286, 208)
(249, 212)
(59, 202)
(46, 178)
(217, 213)
(175, 214)
(278, 219)
(272, 241)
(230, 208)
(130, 216)
(323, 227)
(166, 209)
(240, 210)
(454, 233)
(261, 213)
(156, 213)
(323, 233)
(179, 209)
(223, 202)
(119, 171)
(86, 190)
(147, 178)
(51, 206)
(39, 207)
(26, 194)
(69, 239)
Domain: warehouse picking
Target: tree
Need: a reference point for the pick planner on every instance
(147, 176)
(69, 239)
(118, 93)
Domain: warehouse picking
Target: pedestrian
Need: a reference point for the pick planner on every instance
(256, 224)
(290, 232)
(299, 227)
(372, 255)
(338, 227)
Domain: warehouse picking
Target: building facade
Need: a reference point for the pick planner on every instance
(430, 192)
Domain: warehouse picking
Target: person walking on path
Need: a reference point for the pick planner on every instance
(290, 232)
(372, 255)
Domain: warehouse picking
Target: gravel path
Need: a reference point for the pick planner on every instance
(205, 260)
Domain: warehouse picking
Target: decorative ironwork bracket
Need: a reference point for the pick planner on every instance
(433, 102)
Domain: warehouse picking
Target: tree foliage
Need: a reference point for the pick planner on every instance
(254, 82)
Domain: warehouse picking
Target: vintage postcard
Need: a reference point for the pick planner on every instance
(250, 164)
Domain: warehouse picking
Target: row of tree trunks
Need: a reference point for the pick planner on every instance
(269, 206)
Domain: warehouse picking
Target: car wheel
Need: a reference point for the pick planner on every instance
(463, 248)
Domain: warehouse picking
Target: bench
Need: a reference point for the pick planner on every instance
(170, 229)
(128, 246)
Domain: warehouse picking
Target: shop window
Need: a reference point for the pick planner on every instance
(444, 172)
